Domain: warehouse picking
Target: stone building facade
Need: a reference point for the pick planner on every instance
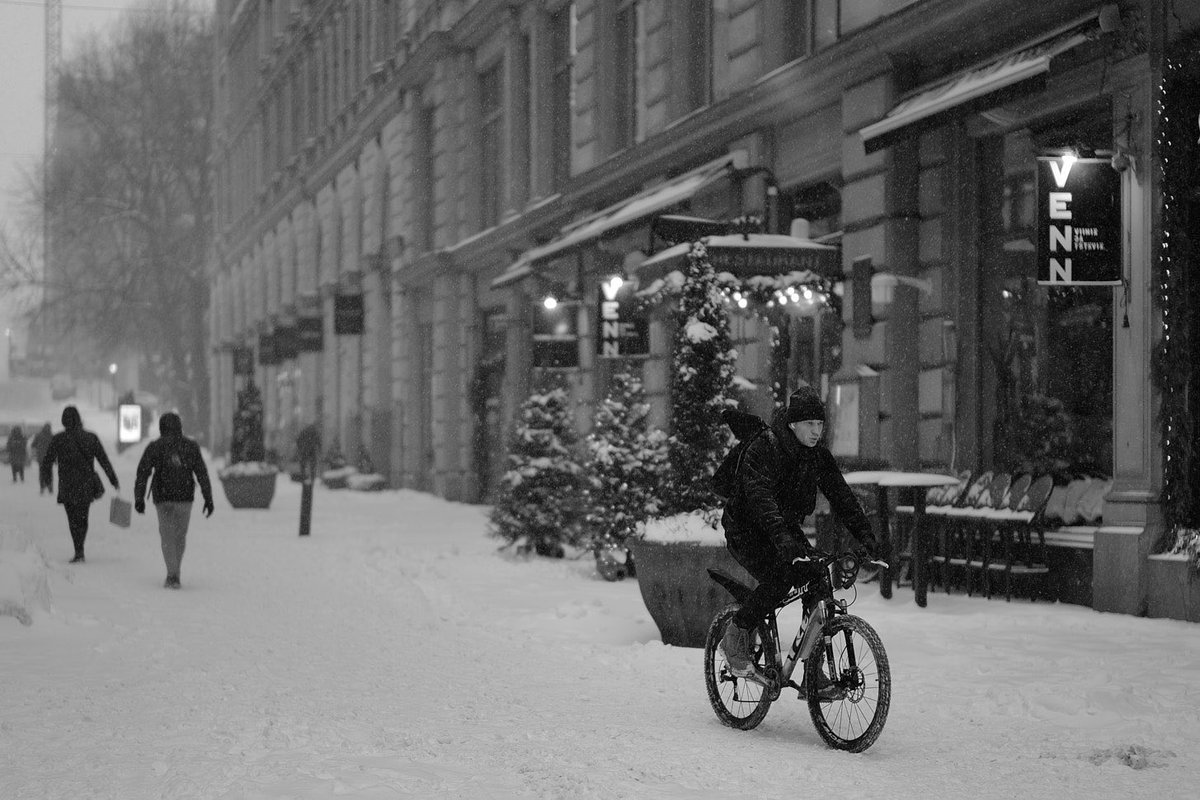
(425, 171)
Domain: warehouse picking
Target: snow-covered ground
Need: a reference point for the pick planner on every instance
(395, 653)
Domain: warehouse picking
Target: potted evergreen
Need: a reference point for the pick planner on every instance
(249, 479)
(1174, 578)
(626, 463)
(675, 550)
(538, 498)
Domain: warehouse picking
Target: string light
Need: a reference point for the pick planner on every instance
(1172, 367)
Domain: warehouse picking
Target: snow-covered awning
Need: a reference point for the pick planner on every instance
(747, 254)
(619, 215)
(966, 92)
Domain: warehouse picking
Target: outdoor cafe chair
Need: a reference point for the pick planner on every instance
(1001, 522)
(981, 536)
(952, 552)
(1025, 554)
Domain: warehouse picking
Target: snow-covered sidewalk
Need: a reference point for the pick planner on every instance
(395, 653)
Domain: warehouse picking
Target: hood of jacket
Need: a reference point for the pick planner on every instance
(169, 424)
(71, 419)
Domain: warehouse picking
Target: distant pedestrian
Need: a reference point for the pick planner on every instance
(177, 466)
(17, 453)
(39, 445)
(74, 450)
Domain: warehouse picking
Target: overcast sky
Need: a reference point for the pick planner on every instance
(22, 88)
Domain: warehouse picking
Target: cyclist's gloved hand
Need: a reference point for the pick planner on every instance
(870, 546)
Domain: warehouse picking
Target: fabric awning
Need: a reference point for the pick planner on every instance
(622, 214)
(966, 92)
(745, 255)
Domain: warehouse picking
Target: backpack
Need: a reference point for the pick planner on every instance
(173, 470)
(746, 428)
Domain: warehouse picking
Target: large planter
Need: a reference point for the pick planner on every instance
(676, 588)
(1173, 587)
(249, 491)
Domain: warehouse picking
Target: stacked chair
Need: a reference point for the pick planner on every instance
(1023, 537)
(949, 551)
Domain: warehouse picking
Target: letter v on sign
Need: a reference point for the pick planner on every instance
(1061, 171)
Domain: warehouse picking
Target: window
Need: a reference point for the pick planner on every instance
(797, 29)
(625, 62)
(491, 145)
(562, 106)
(697, 54)
(423, 177)
(1047, 351)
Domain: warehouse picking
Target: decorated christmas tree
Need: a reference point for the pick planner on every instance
(701, 386)
(247, 442)
(538, 498)
(626, 463)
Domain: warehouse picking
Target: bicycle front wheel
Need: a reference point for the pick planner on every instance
(737, 702)
(851, 715)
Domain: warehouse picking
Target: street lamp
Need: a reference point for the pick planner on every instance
(112, 370)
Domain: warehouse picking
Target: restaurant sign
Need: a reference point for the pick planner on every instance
(623, 329)
(1078, 222)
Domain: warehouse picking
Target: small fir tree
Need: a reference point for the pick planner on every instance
(626, 464)
(247, 443)
(701, 386)
(538, 498)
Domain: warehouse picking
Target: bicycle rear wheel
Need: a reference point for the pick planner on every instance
(854, 718)
(737, 702)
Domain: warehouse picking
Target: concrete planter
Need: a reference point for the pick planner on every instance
(1173, 587)
(249, 491)
(676, 589)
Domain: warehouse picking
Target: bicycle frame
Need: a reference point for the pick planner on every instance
(826, 607)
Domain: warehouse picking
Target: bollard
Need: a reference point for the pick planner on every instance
(306, 493)
(308, 448)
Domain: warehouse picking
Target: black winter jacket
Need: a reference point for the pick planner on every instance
(777, 489)
(75, 450)
(174, 459)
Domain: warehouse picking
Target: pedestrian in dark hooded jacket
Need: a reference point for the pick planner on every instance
(75, 450)
(39, 445)
(17, 452)
(177, 466)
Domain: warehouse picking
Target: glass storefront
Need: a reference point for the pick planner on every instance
(1046, 352)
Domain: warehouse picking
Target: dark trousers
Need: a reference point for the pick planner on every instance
(18, 471)
(77, 521)
(775, 575)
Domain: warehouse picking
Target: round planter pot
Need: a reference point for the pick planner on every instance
(679, 594)
(249, 491)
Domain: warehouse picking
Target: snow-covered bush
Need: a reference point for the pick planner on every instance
(625, 464)
(243, 468)
(701, 386)
(1187, 542)
(538, 501)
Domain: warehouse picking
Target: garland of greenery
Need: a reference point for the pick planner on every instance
(1174, 358)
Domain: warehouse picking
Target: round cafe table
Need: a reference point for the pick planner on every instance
(883, 480)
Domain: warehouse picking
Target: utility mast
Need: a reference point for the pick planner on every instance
(53, 63)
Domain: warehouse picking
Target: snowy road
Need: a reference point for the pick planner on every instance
(395, 654)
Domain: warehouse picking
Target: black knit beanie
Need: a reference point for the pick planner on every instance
(804, 404)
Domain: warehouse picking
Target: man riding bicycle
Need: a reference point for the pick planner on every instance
(776, 490)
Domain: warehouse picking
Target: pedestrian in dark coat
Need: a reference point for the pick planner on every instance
(177, 466)
(39, 445)
(75, 450)
(17, 453)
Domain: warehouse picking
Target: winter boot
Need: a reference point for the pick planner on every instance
(736, 646)
(172, 582)
(78, 559)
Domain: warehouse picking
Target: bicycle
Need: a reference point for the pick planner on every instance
(850, 710)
